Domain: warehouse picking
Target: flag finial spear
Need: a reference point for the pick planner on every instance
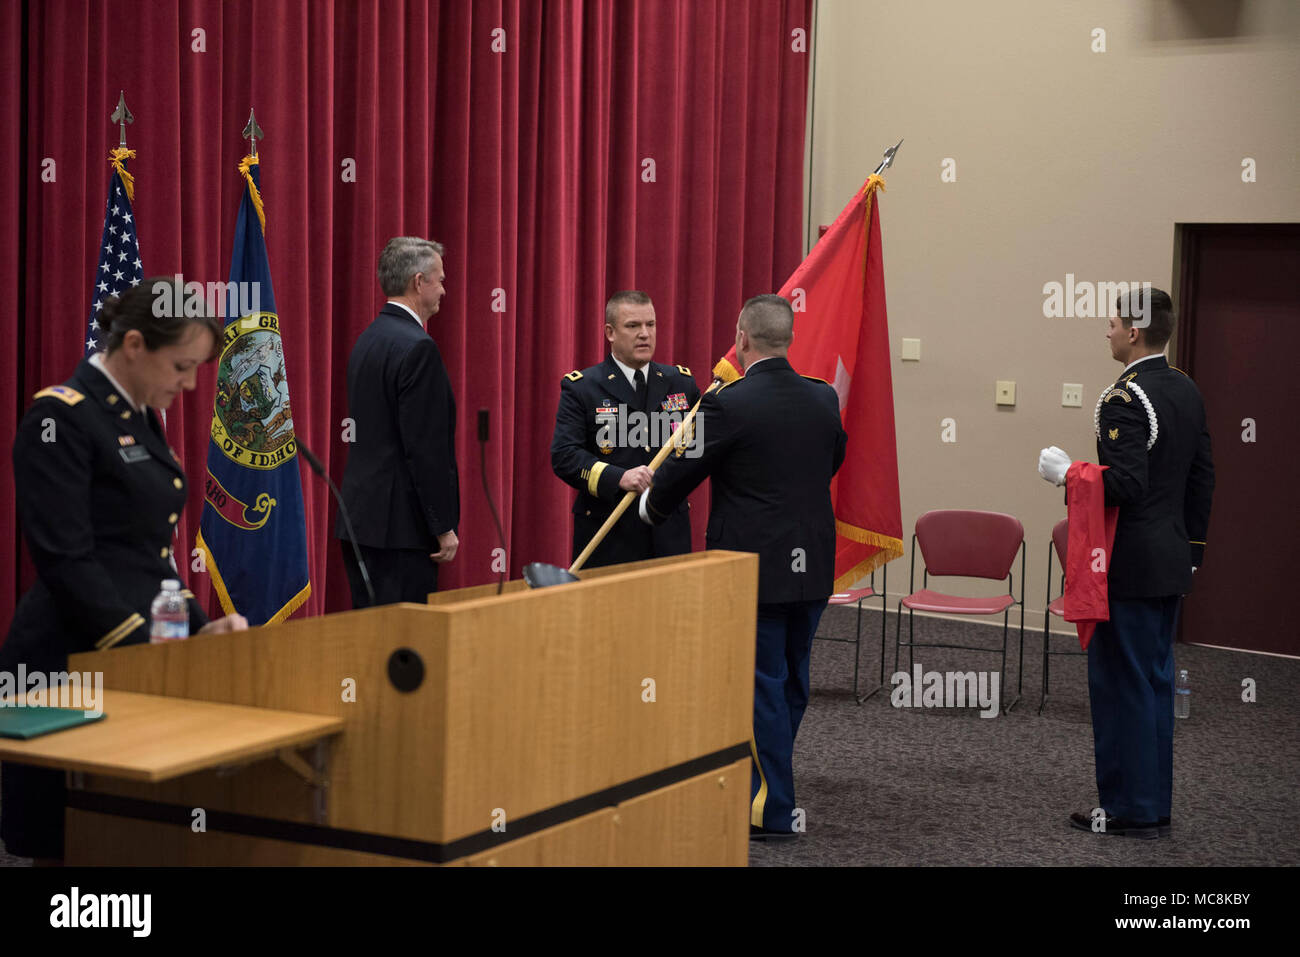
(888, 161)
(122, 116)
(253, 132)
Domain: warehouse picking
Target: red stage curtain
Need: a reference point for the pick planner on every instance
(529, 163)
(12, 189)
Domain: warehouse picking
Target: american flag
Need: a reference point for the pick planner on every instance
(119, 256)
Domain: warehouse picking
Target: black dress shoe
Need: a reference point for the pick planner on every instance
(764, 834)
(1115, 826)
(1164, 826)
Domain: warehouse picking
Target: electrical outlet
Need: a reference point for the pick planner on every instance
(1006, 392)
(1072, 395)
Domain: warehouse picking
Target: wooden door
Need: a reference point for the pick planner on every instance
(1239, 338)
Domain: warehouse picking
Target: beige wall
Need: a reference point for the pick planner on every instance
(1067, 161)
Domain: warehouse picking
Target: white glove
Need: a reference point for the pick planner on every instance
(1053, 463)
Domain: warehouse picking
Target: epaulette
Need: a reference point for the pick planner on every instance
(60, 392)
(813, 378)
(684, 371)
(1180, 371)
(574, 376)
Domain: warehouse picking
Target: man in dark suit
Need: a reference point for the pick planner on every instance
(400, 486)
(771, 442)
(597, 446)
(1151, 434)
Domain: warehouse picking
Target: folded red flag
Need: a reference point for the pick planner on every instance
(1087, 557)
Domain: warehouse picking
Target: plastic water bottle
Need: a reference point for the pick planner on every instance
(1182, 696)
(169, 614)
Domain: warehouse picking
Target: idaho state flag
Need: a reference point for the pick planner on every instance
(841, 334)
(253, 534)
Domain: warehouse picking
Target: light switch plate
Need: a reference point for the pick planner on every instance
(912, 350)
(1072, 395)
(1006, 392)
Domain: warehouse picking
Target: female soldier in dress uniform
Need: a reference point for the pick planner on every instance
(99, 494)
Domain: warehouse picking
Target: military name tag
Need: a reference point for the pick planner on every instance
(133, 453)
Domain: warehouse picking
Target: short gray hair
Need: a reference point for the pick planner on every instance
(402, 258)
(628, 297)
(769, 321)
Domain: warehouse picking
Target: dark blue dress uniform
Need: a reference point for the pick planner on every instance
(1151, 432)
(587, 452)
(772, 442)
(99, 494)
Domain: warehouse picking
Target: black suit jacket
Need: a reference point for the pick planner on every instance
(578, 457)
(400, 485)
(1163, 494)
(772, 442)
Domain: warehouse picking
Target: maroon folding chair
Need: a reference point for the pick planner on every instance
(1060, 540)
(965, 543)
(858, 596)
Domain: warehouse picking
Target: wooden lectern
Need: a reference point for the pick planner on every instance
(602, 722)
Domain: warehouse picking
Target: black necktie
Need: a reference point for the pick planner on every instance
(640, 389)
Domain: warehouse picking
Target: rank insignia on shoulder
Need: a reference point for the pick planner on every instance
(1114, 434)
(574, 376)
(683, 370)
(125, 440)
(60, 392)
(1117, 392)
(1130, 377)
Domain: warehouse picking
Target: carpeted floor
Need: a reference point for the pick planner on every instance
(886, 786)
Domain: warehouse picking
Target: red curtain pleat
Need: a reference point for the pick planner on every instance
(13, 190)
(528, 163)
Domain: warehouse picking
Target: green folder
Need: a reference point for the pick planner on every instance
(32, 722)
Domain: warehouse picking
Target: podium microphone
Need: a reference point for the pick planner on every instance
(319, 469)
(483, 430)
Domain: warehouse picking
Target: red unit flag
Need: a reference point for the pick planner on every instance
(841, 335)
